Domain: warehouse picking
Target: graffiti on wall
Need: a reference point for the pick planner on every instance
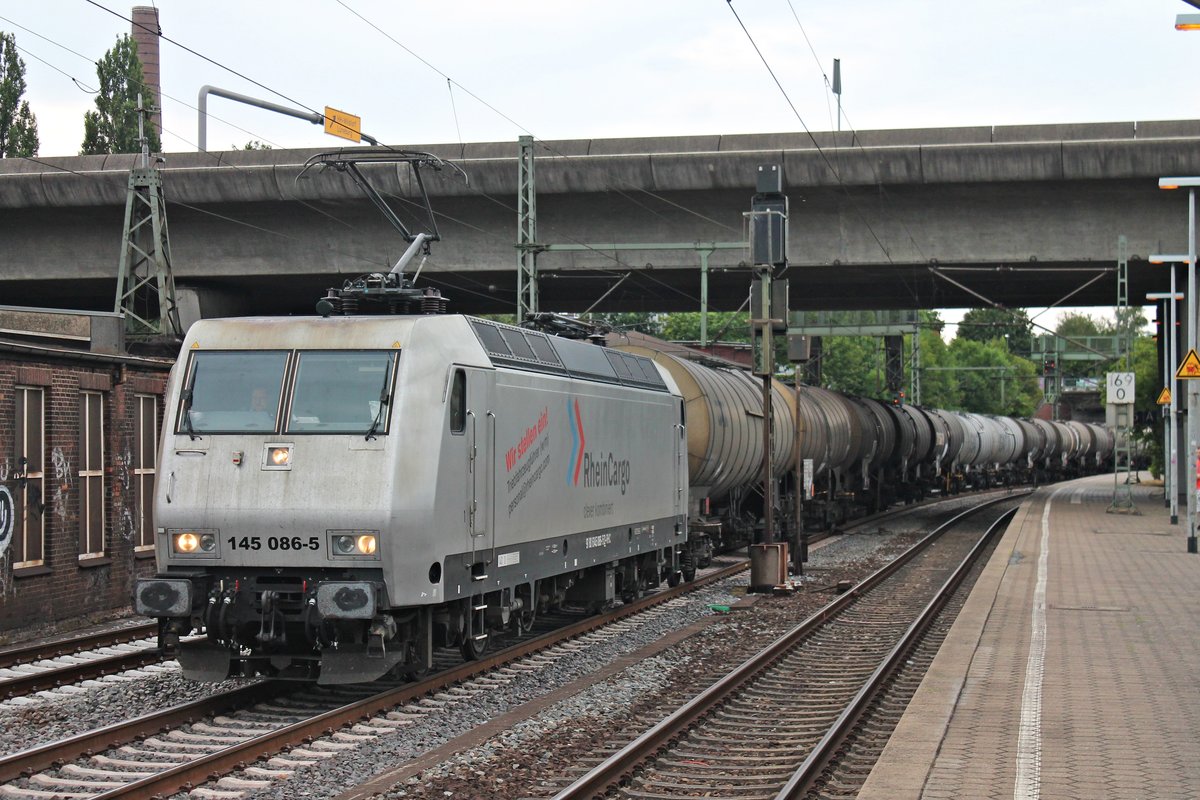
(121, 489)
(62, 483)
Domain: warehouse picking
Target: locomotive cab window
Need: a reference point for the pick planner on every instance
(339, 391)
(231, 391)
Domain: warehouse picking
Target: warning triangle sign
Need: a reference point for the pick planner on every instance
(1164, 397)
(1190, 368)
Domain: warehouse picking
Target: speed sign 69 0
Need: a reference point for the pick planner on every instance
(1120, 388)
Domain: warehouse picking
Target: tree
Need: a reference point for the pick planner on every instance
(986, 324)
(640, 321)
(854, 365)
(1076, 325)
(113, 126)
(18, 125)
(253, 144)
(729, 326)
(939, 388)
(993, 380)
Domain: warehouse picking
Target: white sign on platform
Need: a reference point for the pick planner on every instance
(1120, 388)
(808, 479)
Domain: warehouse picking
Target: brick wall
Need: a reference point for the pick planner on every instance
(63, 586)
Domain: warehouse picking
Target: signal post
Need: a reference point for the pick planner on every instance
(768, 217)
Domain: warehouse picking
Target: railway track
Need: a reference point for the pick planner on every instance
(183, 747)
(774, 726)
(26, 669)
(46, 665)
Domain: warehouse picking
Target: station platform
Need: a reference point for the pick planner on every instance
(1073, 671)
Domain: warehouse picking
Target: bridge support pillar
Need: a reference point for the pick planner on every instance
(197, 303)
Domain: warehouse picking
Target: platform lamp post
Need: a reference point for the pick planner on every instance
(1170, 362)
(1193, 386)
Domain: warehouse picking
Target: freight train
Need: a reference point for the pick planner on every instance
(837, 457)
(339, 496)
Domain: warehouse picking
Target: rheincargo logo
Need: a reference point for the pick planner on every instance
(603, 470)
(599, 470)
(577, 443)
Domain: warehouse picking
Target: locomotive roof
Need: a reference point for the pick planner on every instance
(504, 345)
(534, 351)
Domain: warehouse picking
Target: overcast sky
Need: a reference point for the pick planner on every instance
(585, 69)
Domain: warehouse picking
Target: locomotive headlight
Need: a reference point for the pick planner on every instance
(277, 456)
(202, 543)
(354, 544)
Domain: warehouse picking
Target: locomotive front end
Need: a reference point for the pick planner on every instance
(272, 501)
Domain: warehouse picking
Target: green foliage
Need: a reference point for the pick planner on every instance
(254, 144)
(641, 322)
(113, 126)
(1075, 325)
(854, 365)
(726, 326)
(992, 380)
(988, 324)
(1145, 372)
(504, 319)
(939, 388)
(18, 125)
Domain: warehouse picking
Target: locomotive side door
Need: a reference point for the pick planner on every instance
(481, 459)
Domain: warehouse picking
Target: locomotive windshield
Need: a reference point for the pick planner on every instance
(230, 391)
(342, 392)
(333, 391)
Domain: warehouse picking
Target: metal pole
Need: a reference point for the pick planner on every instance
(768, 418)
(1193, 404)
(1168, 335)
(704, 298)
(801, 554)
(267, 105)
(1173, 410)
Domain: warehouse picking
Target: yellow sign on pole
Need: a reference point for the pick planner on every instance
(1164, 397)
(339, 123)
(1189, 370)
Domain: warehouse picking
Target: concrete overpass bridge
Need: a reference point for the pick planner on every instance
(926, 218)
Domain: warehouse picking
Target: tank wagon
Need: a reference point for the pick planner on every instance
(856, 455)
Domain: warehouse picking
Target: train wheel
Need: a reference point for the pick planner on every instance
(522, 621)
(474, 636)
(687, 564)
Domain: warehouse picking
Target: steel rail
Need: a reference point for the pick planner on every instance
(190, 774)
(609, 774)
(45, 756)
(21, 654)
(806, 775)
(53, 677)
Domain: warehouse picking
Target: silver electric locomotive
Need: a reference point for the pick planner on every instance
(339, 496)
